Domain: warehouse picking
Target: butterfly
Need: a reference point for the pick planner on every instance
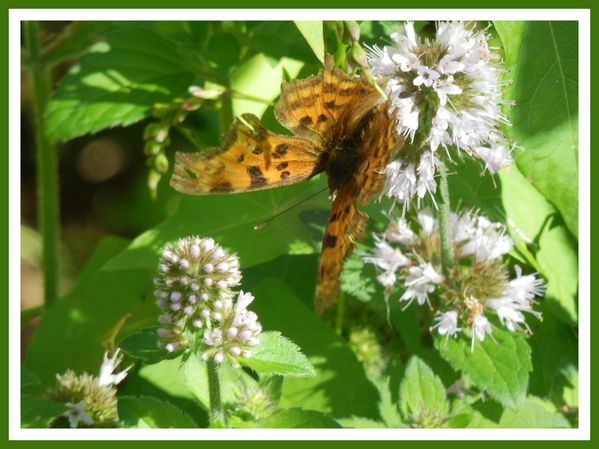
(340, 125)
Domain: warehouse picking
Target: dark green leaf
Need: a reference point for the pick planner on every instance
(297, 418)
(498, 366)
(117, 82)
(37, 412)
(86, 316)
(28, 378)
(230, 220)
(144, 345)
(143, 412)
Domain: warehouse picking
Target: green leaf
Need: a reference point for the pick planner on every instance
(117, 82)
(533, 413)
(387, 406)
(37, 412)
(422, 397)
(297, 418)
(544, 63)
(144, 345)
(499, 366)
(312, 30)
(276, 354)
(278, 306)
(556, 251)
(146, 412)
(86, 316)
(259, 80)
(230, 220)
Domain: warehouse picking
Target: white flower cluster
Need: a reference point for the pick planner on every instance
(237, 332)
(446, 91)
(194, 288)
(479, 280)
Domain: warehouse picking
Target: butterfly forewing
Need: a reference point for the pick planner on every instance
(252, 158)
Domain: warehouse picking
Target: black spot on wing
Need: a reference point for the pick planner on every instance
(329, 241)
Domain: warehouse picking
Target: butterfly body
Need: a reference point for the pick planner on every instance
(340, 127)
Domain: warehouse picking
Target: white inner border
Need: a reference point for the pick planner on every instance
(18, 15)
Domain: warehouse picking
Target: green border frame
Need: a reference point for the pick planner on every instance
(231, 4)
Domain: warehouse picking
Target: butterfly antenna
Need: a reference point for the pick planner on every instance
(268, 220)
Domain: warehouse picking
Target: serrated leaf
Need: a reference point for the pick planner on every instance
(422, 397)
(146, 412)
(297, 418)
(533, 413)
(230, 220)
(276, 354)
(38, 412)
(498, 366)
(144, 345)
(543, 57)
(116, 83)
(312, 30)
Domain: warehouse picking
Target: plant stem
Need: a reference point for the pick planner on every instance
(216, 406)
(226, 110)
(341, 303)
(47, 165)
(447, 256)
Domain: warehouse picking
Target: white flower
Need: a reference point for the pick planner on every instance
(420, 281)
(386, 257)
(517, 298)
(480, 328)
(108, 374)
(446, 323)
(76, 414)
(427, 222)
(488, 241)
(455, 83)
(399, 231)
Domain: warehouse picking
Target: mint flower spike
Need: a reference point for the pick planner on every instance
(443, 92)
(235, 333)
(91, 400)
(195, 275)
(408, 255)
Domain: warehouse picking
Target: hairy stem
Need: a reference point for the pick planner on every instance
(47, 165)
(447, 256)
(216, 406)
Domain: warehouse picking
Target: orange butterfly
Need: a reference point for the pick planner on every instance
(340, 126)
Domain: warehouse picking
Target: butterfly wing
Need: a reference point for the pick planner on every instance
(314, 107)
(346, 223)
(252, 158)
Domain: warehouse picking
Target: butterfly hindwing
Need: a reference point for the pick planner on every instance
(252, 158)
(346, 225)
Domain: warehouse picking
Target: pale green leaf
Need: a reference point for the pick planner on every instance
(533, 413)
(276, 354)
(422, 397)
(312, 30)
(297, 418)
(499, 366)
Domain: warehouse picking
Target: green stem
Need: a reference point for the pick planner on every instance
(447, 256)
(216, 406)
(47, 166)
(226, 110)
(341, 304)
